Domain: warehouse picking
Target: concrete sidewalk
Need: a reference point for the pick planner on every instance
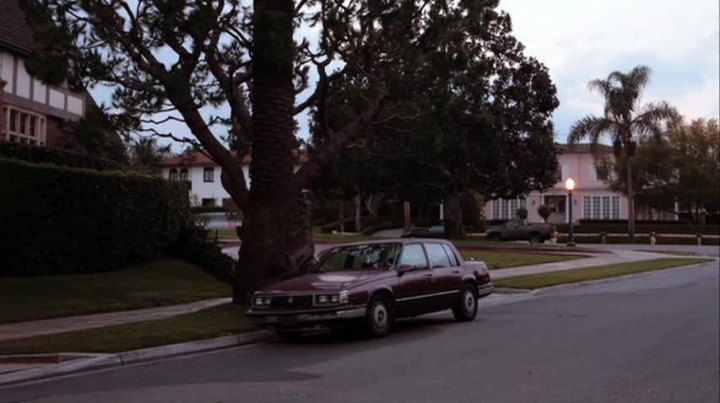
(69, 324)
(616, 256)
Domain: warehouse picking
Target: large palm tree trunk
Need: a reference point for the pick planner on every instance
(631, 199)
(276, 235)
(452, 213)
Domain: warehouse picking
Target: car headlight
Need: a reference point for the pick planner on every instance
(344, 297)
(258, 301)
(262, 301)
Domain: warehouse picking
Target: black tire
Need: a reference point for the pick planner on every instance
(289, 335)
(465, 309)
(379, 316)
(535, 238)
(495, 237)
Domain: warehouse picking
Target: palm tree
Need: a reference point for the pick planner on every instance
(625, 120)
(146, 155)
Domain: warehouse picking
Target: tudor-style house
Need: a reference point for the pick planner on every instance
(30, 111)
(592, 200)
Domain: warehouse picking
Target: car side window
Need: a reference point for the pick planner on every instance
(437, 254)
(453, 259)
(413, 255)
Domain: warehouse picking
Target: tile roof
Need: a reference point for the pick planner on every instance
(15, 33)
(198, 158)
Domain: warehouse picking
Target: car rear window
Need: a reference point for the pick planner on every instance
(451, 255)
(413, 255)
(437, 254)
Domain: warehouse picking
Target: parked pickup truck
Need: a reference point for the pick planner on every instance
(516, 230)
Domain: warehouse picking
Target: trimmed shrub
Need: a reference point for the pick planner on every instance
(613, 228)
(55, 156)
(196, 246)
(57, 220)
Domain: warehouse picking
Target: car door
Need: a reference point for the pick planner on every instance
(446, 275)
(414, 286)
(512, 230)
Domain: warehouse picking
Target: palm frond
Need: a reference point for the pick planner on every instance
(652, 116)
(591, 128)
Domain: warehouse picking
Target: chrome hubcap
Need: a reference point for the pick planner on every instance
(379, 315)
(469, 301)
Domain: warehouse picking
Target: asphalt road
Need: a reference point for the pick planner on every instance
(652, 338)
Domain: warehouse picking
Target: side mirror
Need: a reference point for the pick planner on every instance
(404, 269)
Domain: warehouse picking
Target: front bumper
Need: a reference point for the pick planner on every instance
(485, 290)
(305, 318)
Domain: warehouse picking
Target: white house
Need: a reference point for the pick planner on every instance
(591, 199)
(203, 173)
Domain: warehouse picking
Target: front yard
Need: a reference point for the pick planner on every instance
(502, 260)
(158, 283)
(213, 322)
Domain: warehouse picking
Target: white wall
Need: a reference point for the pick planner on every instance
(205, 190)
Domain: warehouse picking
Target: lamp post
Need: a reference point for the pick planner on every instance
(570, 185)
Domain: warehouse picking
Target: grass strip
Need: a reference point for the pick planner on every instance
(223, 320)
(593, 273)
(502, 260)
(157, 283)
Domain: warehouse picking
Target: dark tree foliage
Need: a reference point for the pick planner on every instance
(226, 66)
(468, 112)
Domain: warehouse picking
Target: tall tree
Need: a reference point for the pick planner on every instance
(225, 63)
(469, 112)
(146, 155)
(681, 167)
(625, 120)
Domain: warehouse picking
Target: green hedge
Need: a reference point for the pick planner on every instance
(640, 239)
(642, 228)
(69, 220)
(56, 156)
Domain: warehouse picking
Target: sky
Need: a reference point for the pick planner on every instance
(580, 40)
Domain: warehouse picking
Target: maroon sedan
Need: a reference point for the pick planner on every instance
(373, 283)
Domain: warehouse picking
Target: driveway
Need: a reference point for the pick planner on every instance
(651, 338)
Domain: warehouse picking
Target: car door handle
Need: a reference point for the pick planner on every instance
(428, 275)
(456, 271)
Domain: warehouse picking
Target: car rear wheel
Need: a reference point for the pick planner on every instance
(379, 316)
(493, 237)
(535, 238)
(465, 309)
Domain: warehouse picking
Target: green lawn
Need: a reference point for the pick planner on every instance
(218, 321)
(501, 260)
(157, 283)
(593, 273)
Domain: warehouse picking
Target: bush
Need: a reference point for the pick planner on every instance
(56, 156)
(522, 213)
(196, 246)
(57, 220)
(349, 224)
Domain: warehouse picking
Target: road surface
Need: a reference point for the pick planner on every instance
(651, 338)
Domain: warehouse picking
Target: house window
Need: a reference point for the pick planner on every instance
(606, 208)
(506, 209)
(208, 202)
(600, 173)
(24, 127)
(209, 174)
(184, 174)
(616, 207)
(173, 174)
(227, 202)
(587, 210)
(596, 207)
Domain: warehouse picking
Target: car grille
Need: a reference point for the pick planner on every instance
(292, 302)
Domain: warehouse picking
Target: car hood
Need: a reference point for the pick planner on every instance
(332, 281)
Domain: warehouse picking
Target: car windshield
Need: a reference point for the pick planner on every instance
(359, 257)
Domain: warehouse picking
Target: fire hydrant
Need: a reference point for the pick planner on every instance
(603, 237)
(653, 239)
(699, 239)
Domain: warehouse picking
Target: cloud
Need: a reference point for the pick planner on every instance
(581, 40)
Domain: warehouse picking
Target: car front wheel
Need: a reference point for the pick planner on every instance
(379, 316)
(465, 308)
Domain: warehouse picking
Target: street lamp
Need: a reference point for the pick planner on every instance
(570, 185)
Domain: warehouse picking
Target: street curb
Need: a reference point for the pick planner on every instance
(129, 357)
(588, 283)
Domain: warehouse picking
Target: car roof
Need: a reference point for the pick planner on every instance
(392, 240)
